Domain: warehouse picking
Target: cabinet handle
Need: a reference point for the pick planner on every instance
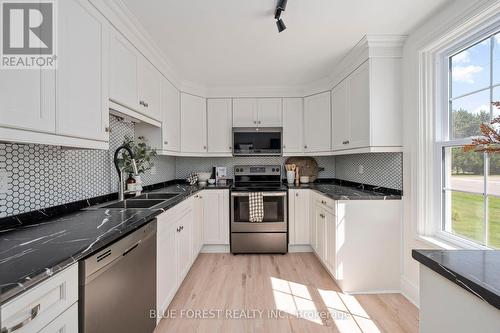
(345, 142)
(142, 103)
(296, 194)
(182, 227)
(258, 122)
(178, 229)
(255, 121)
(230, 148)
(147, 105)
(34, 312)
(107, 129)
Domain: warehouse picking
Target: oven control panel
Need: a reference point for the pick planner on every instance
(250, 170)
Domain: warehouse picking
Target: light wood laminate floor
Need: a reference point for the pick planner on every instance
(278, 293)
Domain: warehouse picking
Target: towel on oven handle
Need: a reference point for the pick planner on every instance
(256, 206)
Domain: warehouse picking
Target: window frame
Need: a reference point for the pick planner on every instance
(443, 134)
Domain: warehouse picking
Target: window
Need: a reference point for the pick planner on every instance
(470, 181)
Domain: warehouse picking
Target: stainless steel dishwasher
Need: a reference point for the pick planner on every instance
(118, 285)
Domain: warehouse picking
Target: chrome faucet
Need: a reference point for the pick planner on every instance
(121, 186)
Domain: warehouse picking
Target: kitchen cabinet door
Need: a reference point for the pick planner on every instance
(330, 242)
(299, 217)
(166, 260)
(123, 69)
(219, 125)
(269, 112)
(193, 124)
(315, 211)
(149, 89)
(184, 243)
(340, 117)
(317, 132)
(24, 104)
(171, 126)
(198, 217)
(66, 322)
(245, 112)
(81, 86)
(293, 125)
(359, 106)
(216, 217)
(320, 233)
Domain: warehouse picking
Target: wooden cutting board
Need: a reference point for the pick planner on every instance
(307, 166)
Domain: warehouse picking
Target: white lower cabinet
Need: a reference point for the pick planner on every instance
(215, 217)
(44, 308)
(299, 226)
(67, 322)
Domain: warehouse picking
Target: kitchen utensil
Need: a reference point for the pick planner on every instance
(308, 166)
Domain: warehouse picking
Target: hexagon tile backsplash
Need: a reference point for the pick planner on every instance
(41, 176)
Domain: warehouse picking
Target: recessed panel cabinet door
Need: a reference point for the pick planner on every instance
(216, 217)
(359, 102)
(219, 118)
(340, 117)
(81, 81)
(331, 241)
(302, 226)
(293, 125)
(317, 136)
(245, 112)
(171, 109)
(193, 124)
(123, 68)
(269, 112)
(184, 241)
(22, 105)
(149, 89)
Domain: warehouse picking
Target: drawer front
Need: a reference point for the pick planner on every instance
(67, 322)
(37, 307)
(325, 202)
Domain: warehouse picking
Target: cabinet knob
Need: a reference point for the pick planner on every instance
(284, 146)
(204, 147)
(258, 122)
(230, 148)
(345, 142)
(107, 129)
(305, 147)
(255, 121)
(165, 142)
(296, 194)
(142, 103)
(147, 105)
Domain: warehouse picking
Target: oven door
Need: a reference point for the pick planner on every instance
(275, 213)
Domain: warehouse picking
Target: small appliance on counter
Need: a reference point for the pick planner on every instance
(220, 175)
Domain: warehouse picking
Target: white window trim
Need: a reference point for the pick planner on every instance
(433, 90)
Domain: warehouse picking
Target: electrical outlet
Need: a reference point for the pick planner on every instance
(4, 181)
(361, 170)
(153, 170)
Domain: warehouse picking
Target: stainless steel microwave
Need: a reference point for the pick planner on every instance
(262, 141)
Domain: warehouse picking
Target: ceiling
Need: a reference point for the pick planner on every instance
(236, 42)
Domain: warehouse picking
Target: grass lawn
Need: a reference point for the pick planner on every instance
(467, 217)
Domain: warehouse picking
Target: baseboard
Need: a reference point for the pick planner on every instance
(299, 248)
(215, 249)
(370, 292)
(410, 291)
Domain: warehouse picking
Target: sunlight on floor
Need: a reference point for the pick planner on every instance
(294, 298)
(345, 310)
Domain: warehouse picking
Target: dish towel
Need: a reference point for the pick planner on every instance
(256, 206)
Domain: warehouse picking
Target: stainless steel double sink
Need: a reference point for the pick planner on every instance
(146, 200)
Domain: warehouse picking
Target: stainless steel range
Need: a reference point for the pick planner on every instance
(270, 235)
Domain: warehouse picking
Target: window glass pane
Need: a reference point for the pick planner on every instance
(496, 58)
(494, 222)
(466, 171)
(470, 69)
(468, 113)
(494, 175)
(496, 98)
(467, 215)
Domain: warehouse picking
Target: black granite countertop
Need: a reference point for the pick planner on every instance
(32, 252)
(477, 271)
(345, 190)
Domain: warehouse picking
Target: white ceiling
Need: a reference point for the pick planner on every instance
(236, 42)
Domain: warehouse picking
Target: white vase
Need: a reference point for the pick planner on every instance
(290, 177)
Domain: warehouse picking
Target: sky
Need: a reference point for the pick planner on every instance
(471, 72)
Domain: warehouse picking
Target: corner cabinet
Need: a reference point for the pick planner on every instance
(67, 106)
(317, 130)
(193, 124)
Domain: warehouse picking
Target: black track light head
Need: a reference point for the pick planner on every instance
(277, 14)
(281, 25)
(281, 5)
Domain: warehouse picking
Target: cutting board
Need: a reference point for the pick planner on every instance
(307, 166)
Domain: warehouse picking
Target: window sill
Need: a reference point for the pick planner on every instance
(449, 242)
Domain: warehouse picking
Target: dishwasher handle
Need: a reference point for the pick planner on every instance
(132, 248)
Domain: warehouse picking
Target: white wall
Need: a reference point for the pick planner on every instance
(450, 16)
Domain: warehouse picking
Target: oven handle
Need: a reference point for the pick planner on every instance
(265, 194)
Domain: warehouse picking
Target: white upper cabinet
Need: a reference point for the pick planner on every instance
(340, 116)
(257, 112)
(245, 112)
(293, 125)
(171, 126)
(359, 107)
(317, 131)
(81, 83)
(149, 89)
(219, 126)
(269, 112)
(193, 124)
(123, 69)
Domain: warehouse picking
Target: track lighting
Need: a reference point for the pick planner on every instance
(280, 7)
(281, 25)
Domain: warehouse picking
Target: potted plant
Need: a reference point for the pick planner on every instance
(143, 155)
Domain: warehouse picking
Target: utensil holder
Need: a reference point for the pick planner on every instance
(290, 177)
